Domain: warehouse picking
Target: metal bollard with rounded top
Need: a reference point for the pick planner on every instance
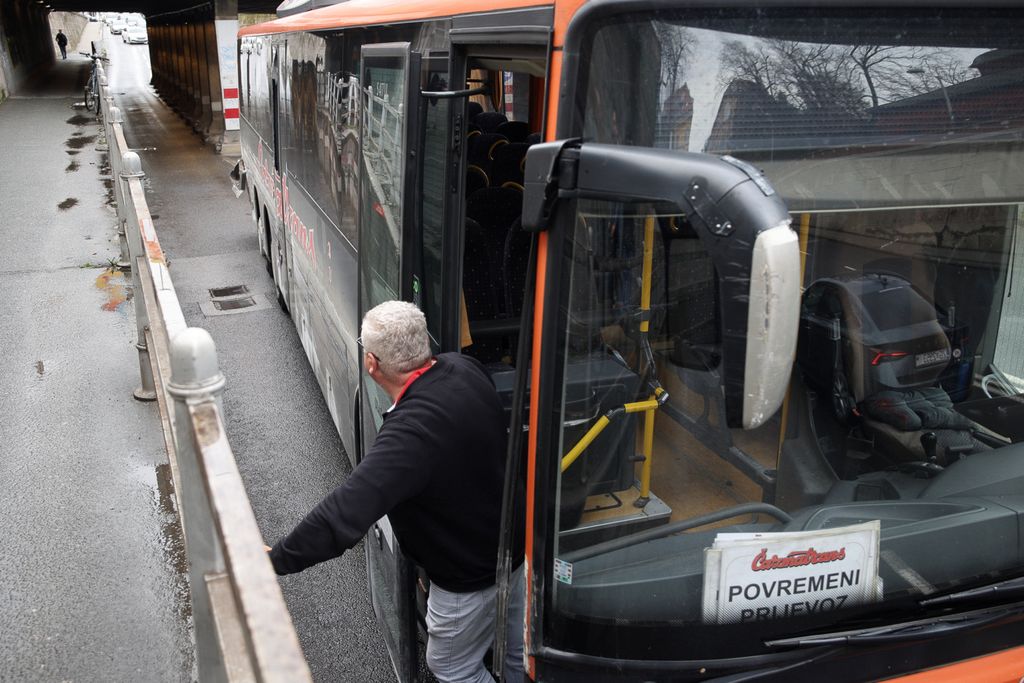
(113, 119)
(131, 169)
(196, 378)
(195, 372)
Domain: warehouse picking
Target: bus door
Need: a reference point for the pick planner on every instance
(503, 71)
(387, 75)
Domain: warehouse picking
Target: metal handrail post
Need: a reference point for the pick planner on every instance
(133, 172)
(114, 152)
(101, 82)
(196, 378)
(105, 103)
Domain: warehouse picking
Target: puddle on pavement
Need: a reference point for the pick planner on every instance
(79, 120)
(108, 183)
(116, 287)
(166, 542)
(172, 540)
(73, 166)
(80, 142)
(67, 203)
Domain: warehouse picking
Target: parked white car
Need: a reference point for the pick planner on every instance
(135, 35)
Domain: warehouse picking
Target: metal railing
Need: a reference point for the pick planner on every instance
(243, 631)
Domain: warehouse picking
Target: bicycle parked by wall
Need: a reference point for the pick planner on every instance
(92, 86)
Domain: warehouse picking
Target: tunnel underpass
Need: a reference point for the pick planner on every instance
(192, 50)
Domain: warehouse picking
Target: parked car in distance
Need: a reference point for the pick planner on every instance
(135, 35)
(117, 27)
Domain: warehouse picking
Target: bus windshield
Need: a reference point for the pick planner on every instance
(892, 474)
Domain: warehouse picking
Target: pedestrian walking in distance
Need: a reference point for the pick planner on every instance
(436, 469)
(62, 43)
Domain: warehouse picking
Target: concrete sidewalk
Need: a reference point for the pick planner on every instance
(94, 585)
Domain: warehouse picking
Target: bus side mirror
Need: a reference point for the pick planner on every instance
(740, 220)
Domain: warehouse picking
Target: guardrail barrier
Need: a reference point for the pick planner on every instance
(243, 631)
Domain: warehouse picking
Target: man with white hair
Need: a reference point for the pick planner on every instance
(436, 469)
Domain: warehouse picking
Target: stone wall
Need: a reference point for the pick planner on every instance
(73, 25)
(26, 41)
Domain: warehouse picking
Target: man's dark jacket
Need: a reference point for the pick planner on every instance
(436, 469)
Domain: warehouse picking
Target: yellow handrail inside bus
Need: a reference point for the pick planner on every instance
(645, 286)
(602, 422)
(645, 326)
(582, 444)
(648, 406)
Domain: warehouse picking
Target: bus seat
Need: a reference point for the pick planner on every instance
(495, 209)
(514, 262)
(507, 164)
(515, 131)
(480, 149)
(472, 109)
(489, 120)
(476, 179)
(534, 138)
(883, 367)
(479, 285)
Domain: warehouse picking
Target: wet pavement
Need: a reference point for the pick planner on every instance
(286, 445)
(93, 584)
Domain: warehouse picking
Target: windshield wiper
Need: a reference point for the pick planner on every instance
(904, 631)
(1007, 587)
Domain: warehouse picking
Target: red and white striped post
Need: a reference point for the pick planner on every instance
(227, 59)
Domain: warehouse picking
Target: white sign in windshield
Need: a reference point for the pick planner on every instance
(764, 576)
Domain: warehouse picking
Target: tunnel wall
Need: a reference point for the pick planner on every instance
(25, 43)
(193, 56)
(73, 25)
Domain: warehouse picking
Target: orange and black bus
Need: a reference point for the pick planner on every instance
(745, 274)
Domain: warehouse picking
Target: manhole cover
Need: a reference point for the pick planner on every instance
(234, 290)
(234, 299)
(234, 304)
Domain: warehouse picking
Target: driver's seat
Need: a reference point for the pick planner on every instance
(886, 351)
